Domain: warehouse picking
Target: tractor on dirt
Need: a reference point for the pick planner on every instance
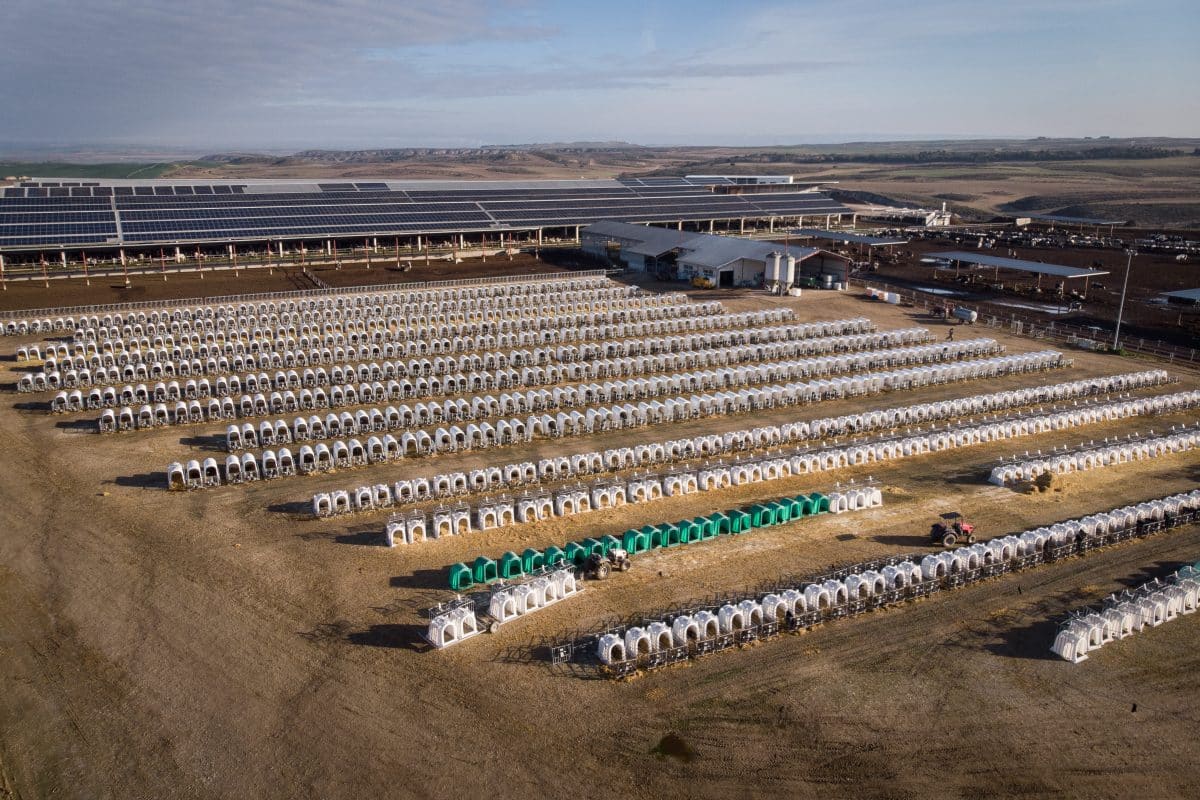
(950, 530)
(597, 566)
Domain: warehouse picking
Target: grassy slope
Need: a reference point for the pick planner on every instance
(55, 169)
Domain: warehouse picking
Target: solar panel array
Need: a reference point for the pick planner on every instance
(37, 216)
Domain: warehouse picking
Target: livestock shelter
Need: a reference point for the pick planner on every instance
(717, 260)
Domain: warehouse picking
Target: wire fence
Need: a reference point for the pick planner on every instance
(298, 294)
(577, 652)
(994, 316)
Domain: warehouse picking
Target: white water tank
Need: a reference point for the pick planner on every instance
(789, 272)
(965, 314)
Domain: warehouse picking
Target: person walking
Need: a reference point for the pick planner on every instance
(950, 335)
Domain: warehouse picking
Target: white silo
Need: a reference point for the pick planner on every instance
(773, 275)
(789, 273)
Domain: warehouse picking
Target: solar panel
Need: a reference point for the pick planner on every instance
(221, 212)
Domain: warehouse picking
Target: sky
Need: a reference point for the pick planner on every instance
(219, 75)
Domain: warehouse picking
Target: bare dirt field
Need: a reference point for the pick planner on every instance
(1144, 316)
(220, 644)
(209, 283)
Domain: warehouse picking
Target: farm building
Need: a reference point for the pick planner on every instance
(721, 260)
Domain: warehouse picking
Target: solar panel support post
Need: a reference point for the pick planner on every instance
(125, 267)
(1121, 308)
(82, 257)
(3, 280)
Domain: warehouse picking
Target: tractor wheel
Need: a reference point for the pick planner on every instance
(494, 627)
(623, 565)
(601, 571)
(949, 539)
(971, 539)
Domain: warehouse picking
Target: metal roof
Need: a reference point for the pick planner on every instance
(643, 240)
(1075, 220)
(844, 236)
(717, 251)
(165, 213)
(1192, 295)
(1058, 270)
(696, 249)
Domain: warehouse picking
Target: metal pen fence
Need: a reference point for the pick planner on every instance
(994, 316)
(300, 294)
(578, 651)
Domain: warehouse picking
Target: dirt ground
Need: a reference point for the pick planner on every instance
(217, 644)
(1144, 316)
(208, 283)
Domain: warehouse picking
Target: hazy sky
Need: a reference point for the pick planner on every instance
(222, 74)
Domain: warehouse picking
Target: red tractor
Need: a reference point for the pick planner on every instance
(951, 530)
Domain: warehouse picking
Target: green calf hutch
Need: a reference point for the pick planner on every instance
(805, 505)
(820, 503)
(554, 555)
(594, 547)
(484, 570)
(576, 553)
(761, 515)
(532, 559)
(658, 536)
(783, 510)
(461, 578)
(706, 526)
(635, 542)
(510, 566)
(609, 542)
(688, 531)
(721, 522)
(739, 521)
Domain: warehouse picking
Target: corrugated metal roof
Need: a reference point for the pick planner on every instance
(1058, 270)
(1192, 295)
(696, 249)
(846, 236)
(717, 251)
(641, 239)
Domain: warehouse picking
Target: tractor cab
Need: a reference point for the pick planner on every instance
(950, 530)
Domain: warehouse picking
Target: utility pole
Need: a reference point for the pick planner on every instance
(1121, 308)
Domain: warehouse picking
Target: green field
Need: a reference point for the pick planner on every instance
(58, 169)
